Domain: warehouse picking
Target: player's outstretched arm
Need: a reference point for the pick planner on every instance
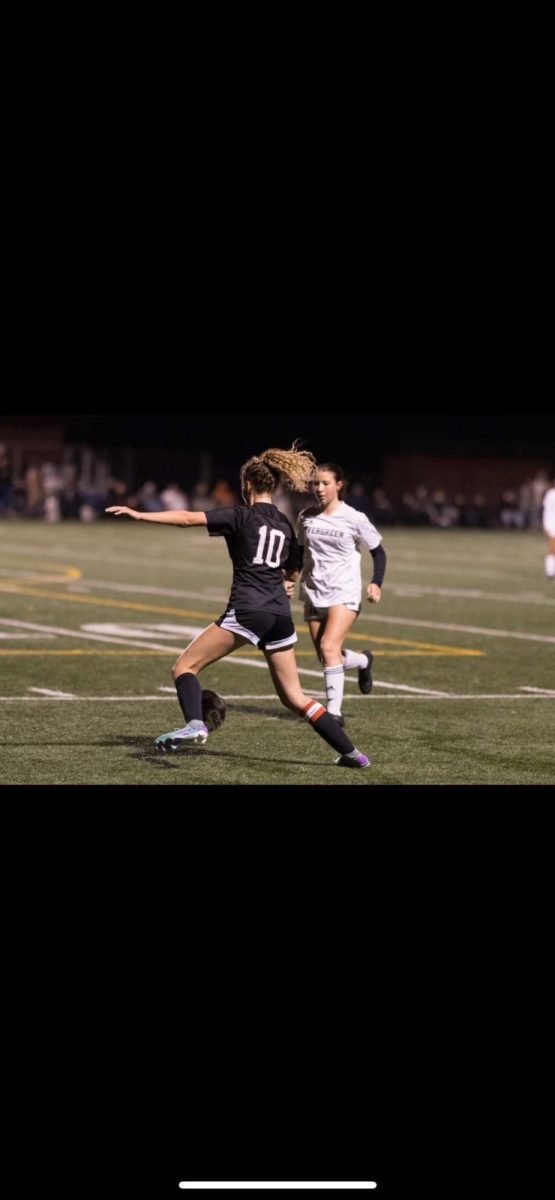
(160, 518)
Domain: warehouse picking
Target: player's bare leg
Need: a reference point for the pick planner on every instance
(339, 621)
(328, 637)
(316, 629)
(209, 646)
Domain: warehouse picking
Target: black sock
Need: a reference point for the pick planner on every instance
(189, 694)
(327, 728)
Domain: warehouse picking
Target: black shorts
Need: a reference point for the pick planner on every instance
(265, 630)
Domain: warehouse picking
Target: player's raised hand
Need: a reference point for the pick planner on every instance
(121, 510)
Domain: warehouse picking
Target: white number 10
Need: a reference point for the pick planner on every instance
(269, 560)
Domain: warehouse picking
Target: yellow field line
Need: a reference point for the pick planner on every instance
(435, 646)
(157, 608)
(420, 647)
(70, 575)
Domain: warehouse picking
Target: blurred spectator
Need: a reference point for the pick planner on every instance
(421, 504)
(200, 500)
(442, 514)
(87, 513)
(52, 481)
(118, 493)
(381, 510)
(525, 502)
(19, 497)
(52, 484)
(148, 499)
(222, 494)
(6, 487)
(70, 502)
(34, 494)
(479, 516)
(359, 498)
(174, 499)
(52, 512)
(408, 511)
(510, 514)
(69, 468)
(460, 504)
(538, 487)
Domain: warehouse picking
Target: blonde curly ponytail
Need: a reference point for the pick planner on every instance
(292, 468)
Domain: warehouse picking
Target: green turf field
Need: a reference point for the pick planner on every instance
(93, 616)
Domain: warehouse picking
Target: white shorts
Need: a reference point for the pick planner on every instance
(311, 613)
(550, 533)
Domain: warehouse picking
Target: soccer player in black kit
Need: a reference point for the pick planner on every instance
(262, 545)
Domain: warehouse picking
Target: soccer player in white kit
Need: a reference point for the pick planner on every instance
(549, 530)
(331, 535)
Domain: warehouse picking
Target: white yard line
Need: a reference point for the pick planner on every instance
(415, 591)
(404, 687)
(92, 637)
(526, 637)
(263, 666)
(53, 695)
(28, 637)
(138, 629)
(253, 696)
(540, 691)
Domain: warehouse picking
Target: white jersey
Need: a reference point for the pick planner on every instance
(549, 512)
(331, 563)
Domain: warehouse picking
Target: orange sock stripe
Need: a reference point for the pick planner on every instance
(313, 711)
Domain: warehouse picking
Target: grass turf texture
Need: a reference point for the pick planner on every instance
(139, 577)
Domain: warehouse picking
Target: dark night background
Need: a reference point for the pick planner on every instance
(359, 441)
(359, 436)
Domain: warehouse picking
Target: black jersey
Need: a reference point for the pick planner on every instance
(261, 543)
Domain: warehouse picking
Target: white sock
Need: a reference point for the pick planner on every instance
(334, 678)
(550, 566)
(352, 660)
